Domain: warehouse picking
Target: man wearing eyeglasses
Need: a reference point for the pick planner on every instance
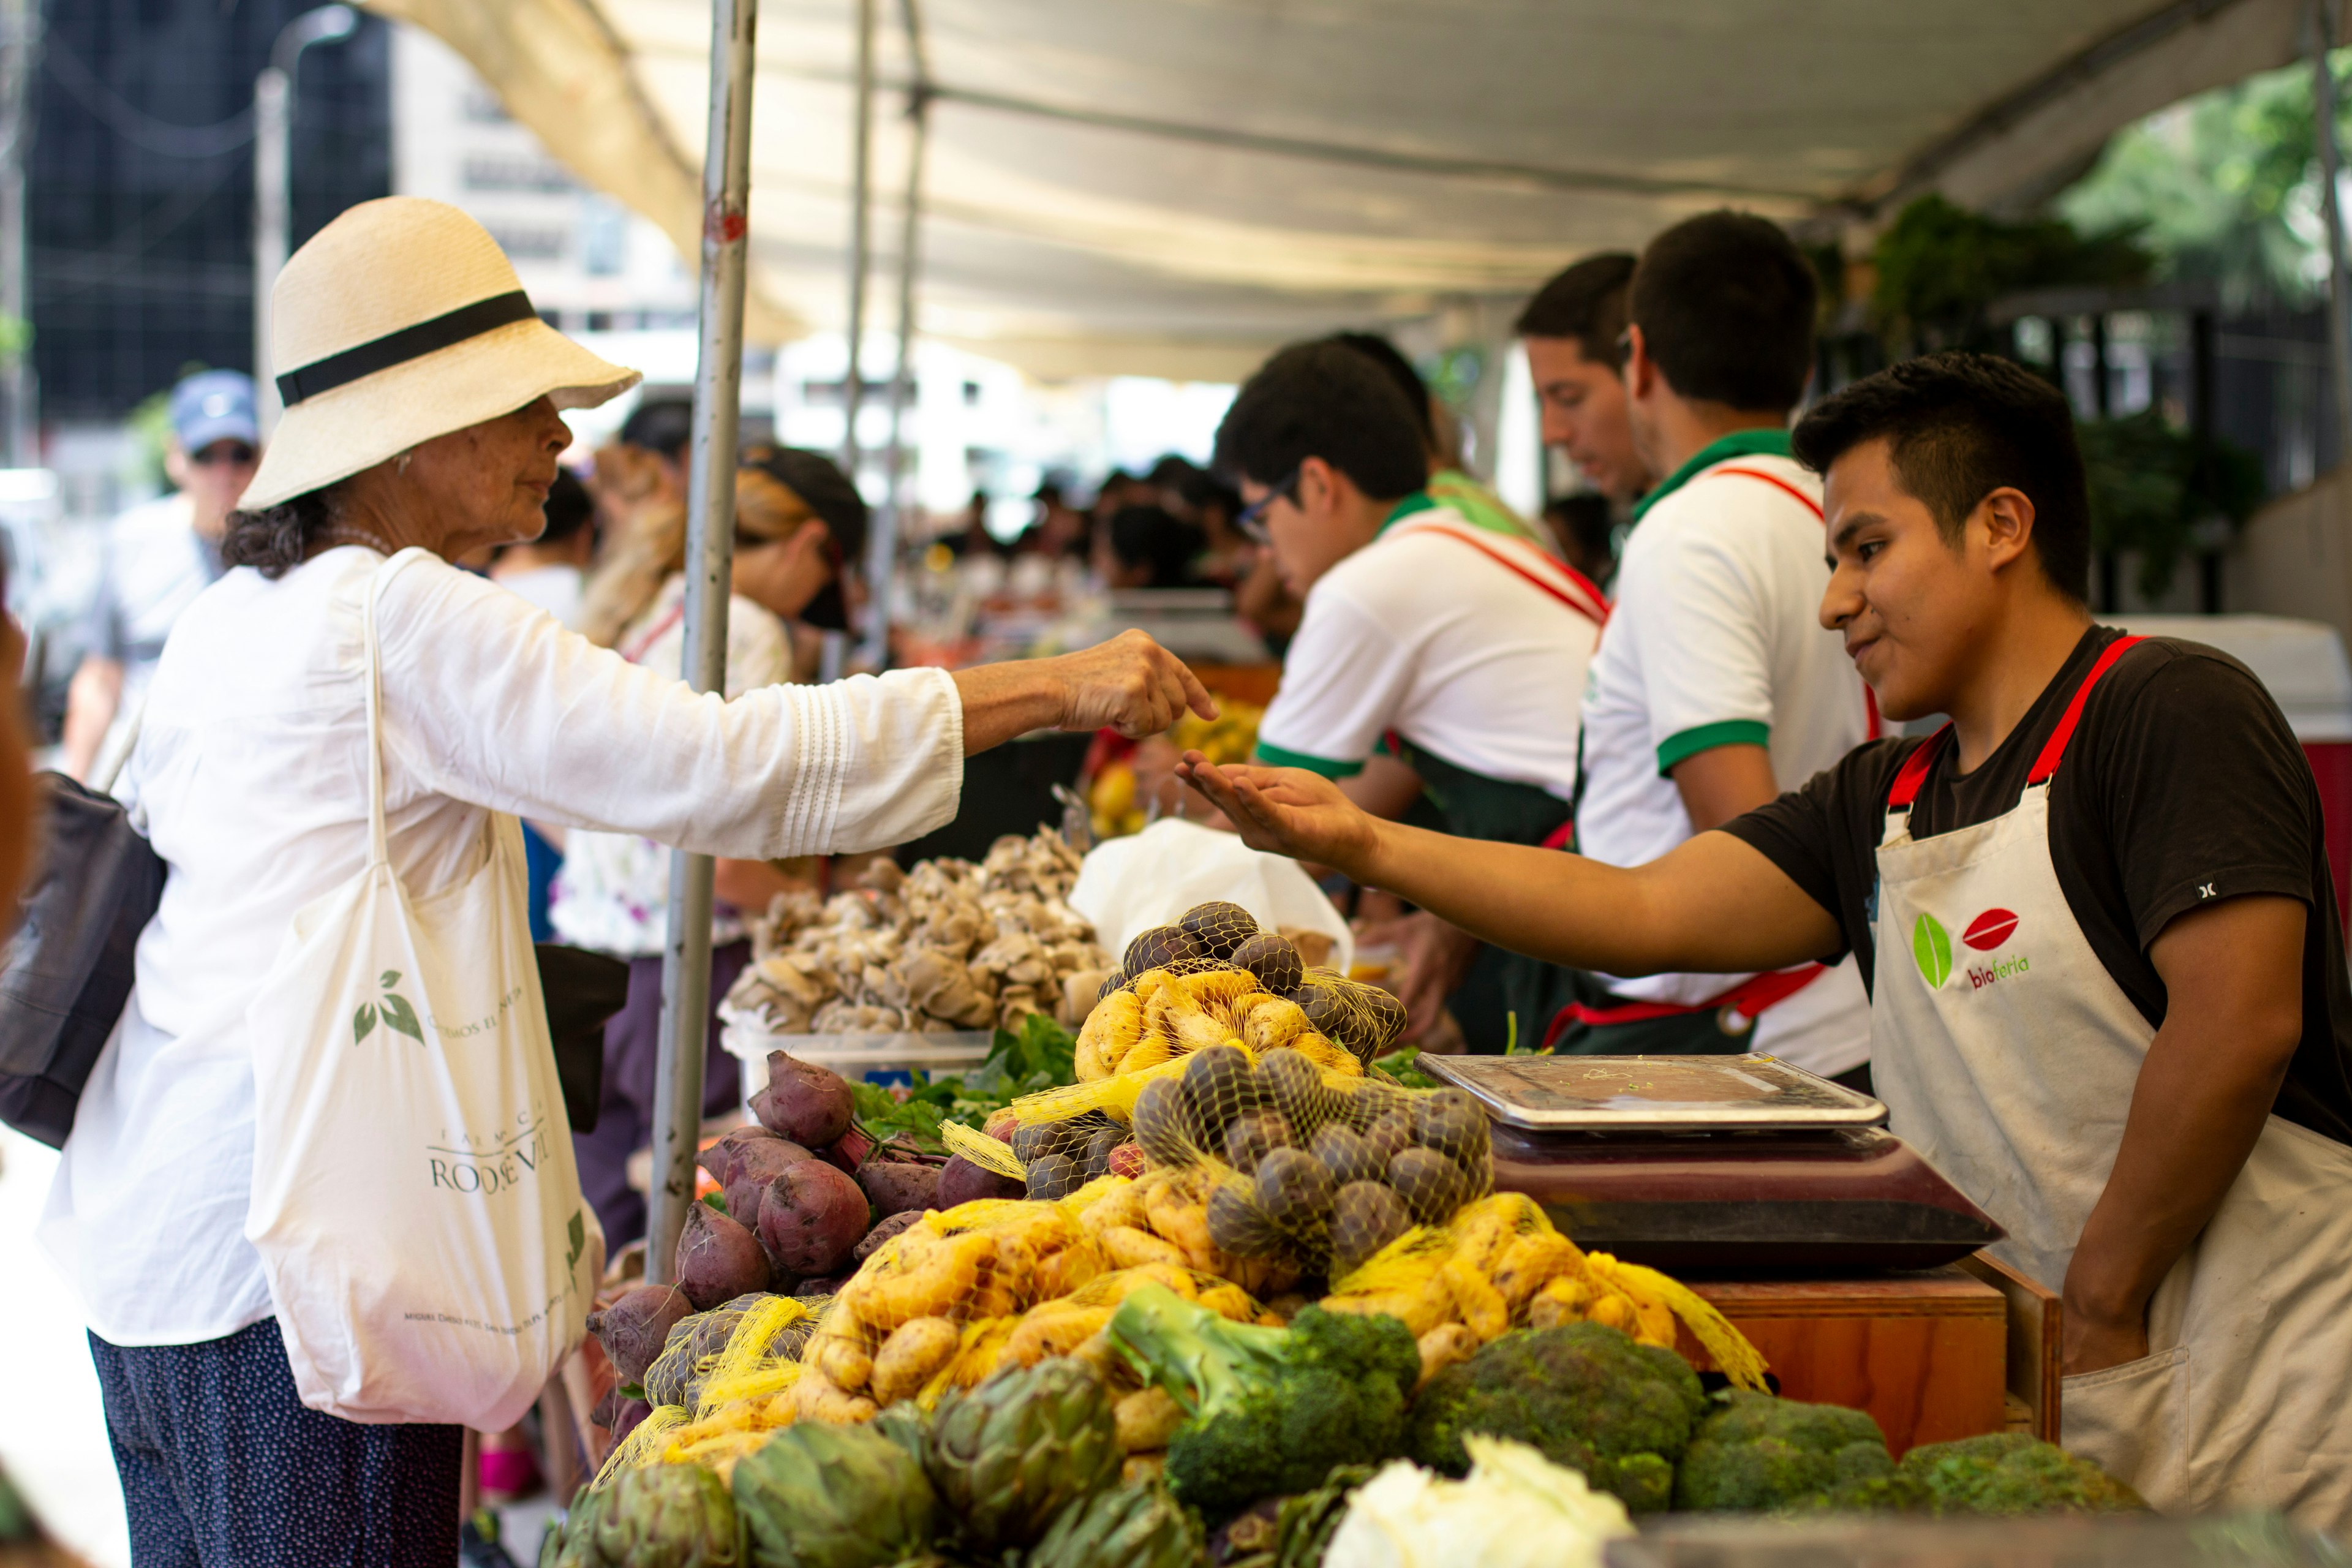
(1458, 649)
(156, 558)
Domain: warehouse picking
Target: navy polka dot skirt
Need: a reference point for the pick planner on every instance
(222, 1466)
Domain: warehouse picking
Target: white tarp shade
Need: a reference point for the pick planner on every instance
(1169, 186)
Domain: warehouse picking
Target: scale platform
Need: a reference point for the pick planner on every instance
(1715, 1165)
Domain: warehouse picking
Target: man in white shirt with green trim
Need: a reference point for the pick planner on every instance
(1460, 649)
(1716, 683)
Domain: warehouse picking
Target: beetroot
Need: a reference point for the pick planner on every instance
(758, 1163)
(625, 1417)
(896, 1186)
(804, 1103)
(718, 1259)
(723, 1157)
(633, 1328)
(809, 1218)
(883, 1232)
(848, 1151)
(960, 1181)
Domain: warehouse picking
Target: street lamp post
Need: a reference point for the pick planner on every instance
(273, 117)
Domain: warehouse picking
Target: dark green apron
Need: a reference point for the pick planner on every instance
(1501, 984)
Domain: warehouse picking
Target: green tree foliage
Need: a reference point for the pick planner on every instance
(2151, 489)
(1940, 266)
(2222, 188)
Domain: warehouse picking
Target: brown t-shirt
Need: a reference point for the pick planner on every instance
(2183, 784)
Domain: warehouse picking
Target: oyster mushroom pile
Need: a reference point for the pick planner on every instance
(947, 946)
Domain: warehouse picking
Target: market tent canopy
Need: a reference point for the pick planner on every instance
(1169, 186)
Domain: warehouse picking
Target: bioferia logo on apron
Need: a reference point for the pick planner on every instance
(1931, 949)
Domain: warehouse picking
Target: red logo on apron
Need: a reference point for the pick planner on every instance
(1990, 929)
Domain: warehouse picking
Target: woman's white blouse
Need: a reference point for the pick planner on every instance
(250, 781)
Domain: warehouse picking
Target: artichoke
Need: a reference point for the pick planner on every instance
(821, 1496)
(1136, 1526)
(574, 1546)
(907, 1425)
(1011, 1454)
(667, 1516)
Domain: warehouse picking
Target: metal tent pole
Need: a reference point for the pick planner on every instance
(2322, 100)
(861, 225)
(710, 557)
(882, 546)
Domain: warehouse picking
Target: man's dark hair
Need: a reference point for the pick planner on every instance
(1587, 302)
(570, 509)
(1398, 369)
(1958, 427)
(1725, 302)
(663, 424)
(1323, 400)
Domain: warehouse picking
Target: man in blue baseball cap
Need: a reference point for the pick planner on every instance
(156, 558)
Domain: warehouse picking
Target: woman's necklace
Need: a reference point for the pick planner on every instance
(340, 533)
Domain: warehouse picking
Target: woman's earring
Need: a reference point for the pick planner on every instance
(400, 464)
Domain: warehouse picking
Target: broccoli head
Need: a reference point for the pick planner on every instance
(1757, 1452)
(2013, 1473)
(1271, 1410)
(1585, 1395)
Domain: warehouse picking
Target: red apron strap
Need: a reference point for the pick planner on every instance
(1579, 596)
(1776, 482)
(1914, 772)
(1561, 837)
(1870, 707)
(2047, 763)
(644, 645)
(1749, 998)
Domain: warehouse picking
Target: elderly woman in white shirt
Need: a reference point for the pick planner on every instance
(423, 400)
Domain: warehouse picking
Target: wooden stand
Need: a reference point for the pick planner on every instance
(1926, 1354)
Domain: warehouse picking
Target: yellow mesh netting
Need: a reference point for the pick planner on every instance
(1500, 1264)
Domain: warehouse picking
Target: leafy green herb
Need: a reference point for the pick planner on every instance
(716, 1200)
(1400, 1065)
(1041, 1056)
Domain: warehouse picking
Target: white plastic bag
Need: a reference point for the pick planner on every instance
(414, 1200)
(1129, 885)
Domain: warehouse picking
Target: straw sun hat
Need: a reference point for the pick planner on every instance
(402, 321)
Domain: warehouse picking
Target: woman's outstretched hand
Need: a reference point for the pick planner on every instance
(1129, 684)
(1287, 810)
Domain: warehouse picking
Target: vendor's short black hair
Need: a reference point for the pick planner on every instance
(1958, 427)
(1587, 303)
(1725, 302)
(1398, 369)
(1323, 400)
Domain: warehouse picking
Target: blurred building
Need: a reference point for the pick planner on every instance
(141, 190)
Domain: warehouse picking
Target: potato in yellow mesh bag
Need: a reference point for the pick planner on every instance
(1310, 1170)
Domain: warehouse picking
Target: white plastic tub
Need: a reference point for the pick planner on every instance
(883, 1059)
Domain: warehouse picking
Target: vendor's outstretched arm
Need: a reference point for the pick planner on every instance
(1714, 904)
(2233, 1015)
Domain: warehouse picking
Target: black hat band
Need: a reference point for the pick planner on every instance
(409, 342)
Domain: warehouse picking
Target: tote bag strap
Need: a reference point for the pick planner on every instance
(379, 841)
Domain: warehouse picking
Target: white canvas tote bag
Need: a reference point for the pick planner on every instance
(415, 1199)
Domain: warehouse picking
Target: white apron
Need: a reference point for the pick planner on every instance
(2007, 1054)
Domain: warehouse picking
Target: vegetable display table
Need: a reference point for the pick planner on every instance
(1925, 1354)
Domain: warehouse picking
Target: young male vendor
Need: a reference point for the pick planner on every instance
(2108, 987)
(1570, 329)
(1714, 683)
(1461, 650)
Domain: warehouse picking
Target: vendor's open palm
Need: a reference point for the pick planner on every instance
(1287, 810)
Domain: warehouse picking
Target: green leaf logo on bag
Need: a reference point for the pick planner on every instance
(1931, 945)
(397, 1015)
